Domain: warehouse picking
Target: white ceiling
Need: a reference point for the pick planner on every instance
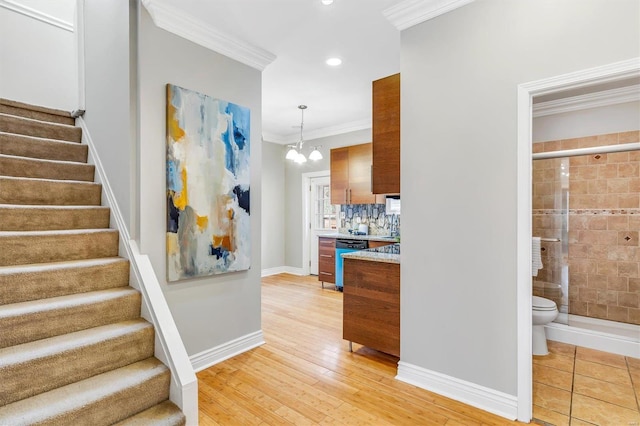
(302, 34)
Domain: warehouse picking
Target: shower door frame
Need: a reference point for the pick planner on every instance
(526, 92)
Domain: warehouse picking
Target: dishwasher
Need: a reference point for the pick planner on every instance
(346, 246)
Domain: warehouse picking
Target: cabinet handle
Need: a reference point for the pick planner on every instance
(346, 196)
(349, 196)
(325, 255)
(325, 273)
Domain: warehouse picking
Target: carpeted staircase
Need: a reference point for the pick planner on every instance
(73, 347)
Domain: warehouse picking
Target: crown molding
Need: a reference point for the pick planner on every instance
(412, 12)
(590, 100)
(181, 23)
(36, 14)
(323, 132)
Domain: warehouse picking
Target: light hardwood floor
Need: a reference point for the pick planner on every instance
(305, 374)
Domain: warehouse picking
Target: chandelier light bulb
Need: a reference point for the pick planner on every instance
(315, 154)
(292, 154)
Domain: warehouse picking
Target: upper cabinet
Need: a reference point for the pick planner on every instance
(386, 135)
(351, 175)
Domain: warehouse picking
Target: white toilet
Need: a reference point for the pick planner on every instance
(544, 311)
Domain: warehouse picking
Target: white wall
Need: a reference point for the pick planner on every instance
(211, 311)
(460, 73)
(273, 208)
(108, 96)
(38, 59)
(587, 122)
(293, 188)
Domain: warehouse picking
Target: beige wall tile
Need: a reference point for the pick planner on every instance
(608, 139)
(537, 147)
(584, 172)
(607, 297)
(628, 201)
(608, 268)
(617, 186)
(589, 295)
(628, 269)
(634, 285)
(597, 311)
(629, 170)
(618, 223)
(608, 171)
(634, 185)
(618, 283)
(629, 137)
(597, 282)
(630, 300)
(578, 308)
(634, 156)
(618, 313)
(634, 316)
(618, 157)
(628, 238)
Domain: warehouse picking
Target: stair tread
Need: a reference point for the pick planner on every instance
(45, 161)
(64, 302)
(80, 394)
(40, 139)
(43, 348)
(33, 120)
(32, 107)
(52, 207)
(83, 182)
(68, 264)
(57, 232)
(164, 414)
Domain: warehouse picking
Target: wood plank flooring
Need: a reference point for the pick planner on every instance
(305, 374)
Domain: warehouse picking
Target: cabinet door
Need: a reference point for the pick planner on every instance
(339, 175)
(327, 260)
(360, 157)
(386, 135)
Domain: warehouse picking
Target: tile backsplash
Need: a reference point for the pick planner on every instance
(373, 215)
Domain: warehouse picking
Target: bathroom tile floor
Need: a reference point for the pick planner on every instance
(579, 386)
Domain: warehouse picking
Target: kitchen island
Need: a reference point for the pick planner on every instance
(371, 307)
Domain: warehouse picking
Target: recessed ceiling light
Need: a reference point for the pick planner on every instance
(334, 62)
(326, 2)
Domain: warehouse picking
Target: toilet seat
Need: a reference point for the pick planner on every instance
(542, 304)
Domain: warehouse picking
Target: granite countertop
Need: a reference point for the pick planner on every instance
(360, 237)
(386, 254)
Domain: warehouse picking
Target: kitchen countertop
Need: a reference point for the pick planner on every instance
(386, 254)
(360, 237)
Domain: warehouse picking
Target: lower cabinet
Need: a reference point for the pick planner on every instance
(371, 304)
(327, 260)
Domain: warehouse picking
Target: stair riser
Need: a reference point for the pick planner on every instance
(20, 126)
(25, 146)
(22, 167)
(25, 249)
(26, 286)
(40, 325)
(36, 115)
(165, 414)
(37, 192)
(49, 219)
(31, 378)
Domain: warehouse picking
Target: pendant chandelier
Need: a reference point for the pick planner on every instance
(295, 151)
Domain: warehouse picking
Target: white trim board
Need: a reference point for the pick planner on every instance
(592, 339)
(526, 91)
(413, 12)
(282, 270)
(15, 6)
(490, 400)
(209, 357)
(590, 100)
(182, 24)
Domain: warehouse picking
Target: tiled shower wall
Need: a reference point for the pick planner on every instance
(603, 255)
(373, 215)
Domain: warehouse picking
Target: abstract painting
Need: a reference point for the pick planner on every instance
(208, 214)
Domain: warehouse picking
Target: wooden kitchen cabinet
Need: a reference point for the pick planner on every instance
(376, 244)
(326, 260)
(351, 175)
(371, 304)
(386, 135)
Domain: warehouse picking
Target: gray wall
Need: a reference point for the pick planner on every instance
(108, 101)
(460, 73)
(215, 310)
(273, 209)
(293, 188)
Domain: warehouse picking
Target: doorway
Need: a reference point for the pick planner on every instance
(320, 217)
(526, 92)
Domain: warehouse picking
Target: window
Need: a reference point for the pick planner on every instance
(326, 217)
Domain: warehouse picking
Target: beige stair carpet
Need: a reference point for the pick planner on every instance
(73, 348)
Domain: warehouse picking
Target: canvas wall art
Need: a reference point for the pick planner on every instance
(208, 212)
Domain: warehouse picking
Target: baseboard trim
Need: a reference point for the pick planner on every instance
(282, 270)
(209, 357)
(486, 399)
